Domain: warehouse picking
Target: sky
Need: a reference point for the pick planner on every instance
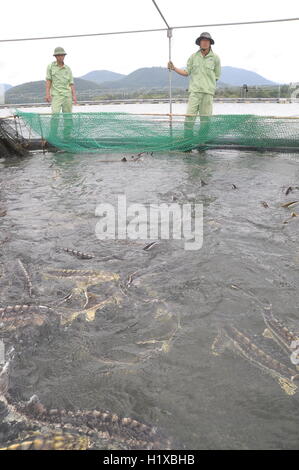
(268, 49)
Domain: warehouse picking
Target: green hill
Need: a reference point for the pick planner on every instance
(6, 86)
(100, 76)
(34, 92)
(148, 80)
(149, 77)
(158, 78)
(238, 77)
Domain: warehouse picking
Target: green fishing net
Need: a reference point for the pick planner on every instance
(123, 132)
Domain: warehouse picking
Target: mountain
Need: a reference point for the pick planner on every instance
(5, 85)
(145, 79)
(100, 76)
(158, 77)
(149, 77)
(234, 76)
(34, 92)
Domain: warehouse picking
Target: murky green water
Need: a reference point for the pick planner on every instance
(149, 355)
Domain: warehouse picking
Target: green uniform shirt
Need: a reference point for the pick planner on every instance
(61, 78)
(203, 71)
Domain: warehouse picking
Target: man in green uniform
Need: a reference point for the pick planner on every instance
(60, 92)
(204, 69)
(60, 89)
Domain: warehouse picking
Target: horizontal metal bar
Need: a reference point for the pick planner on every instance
(149, 101)
(172, 115)
(239, 23)
(84, 35)
(148, 30)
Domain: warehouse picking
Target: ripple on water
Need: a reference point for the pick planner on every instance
(147, 353)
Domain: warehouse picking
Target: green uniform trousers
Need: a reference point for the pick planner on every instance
(62, 103)
(202, 104)
(61, 129)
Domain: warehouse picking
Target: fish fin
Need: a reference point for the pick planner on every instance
(220, 343)
(267, 333)
(67, 318)
(165, 347)
(287, 386)
(90, 314)
(294, 357)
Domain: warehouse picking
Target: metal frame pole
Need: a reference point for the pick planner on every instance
(146, 30)
(169, 35)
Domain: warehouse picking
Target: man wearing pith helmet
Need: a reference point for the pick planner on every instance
(60, 89)
(204, 70)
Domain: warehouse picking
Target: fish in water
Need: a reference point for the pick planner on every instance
(90, 312)
(27, 277)
(64, 429)
(150, 245)
(4, 378)
(289, 204)
(81, 275)
(93, 424)
(294, 357)
(17, 316)
(284, 337)
(54, 440)
(293, 214)
(232, 338)
(82, 278)
(77, 253)
(89, 424)
(81, 255)
(131, 278)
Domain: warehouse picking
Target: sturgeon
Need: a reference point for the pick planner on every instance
(284, 337)
(19, 316)
(77, 253)
(95, 424)
(82, 278)
(27, 277)
(54, 440)
(232, 338)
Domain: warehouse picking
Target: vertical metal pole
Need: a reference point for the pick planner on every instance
(169, 35)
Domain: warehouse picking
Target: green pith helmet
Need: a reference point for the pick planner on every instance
(204, 36)
(59, 51)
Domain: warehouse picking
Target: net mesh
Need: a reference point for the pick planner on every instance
(113, 132)
(11, 141)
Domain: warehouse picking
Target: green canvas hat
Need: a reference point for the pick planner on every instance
(205, 36)
(59, 51)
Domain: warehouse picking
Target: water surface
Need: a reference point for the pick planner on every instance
(149, 356)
